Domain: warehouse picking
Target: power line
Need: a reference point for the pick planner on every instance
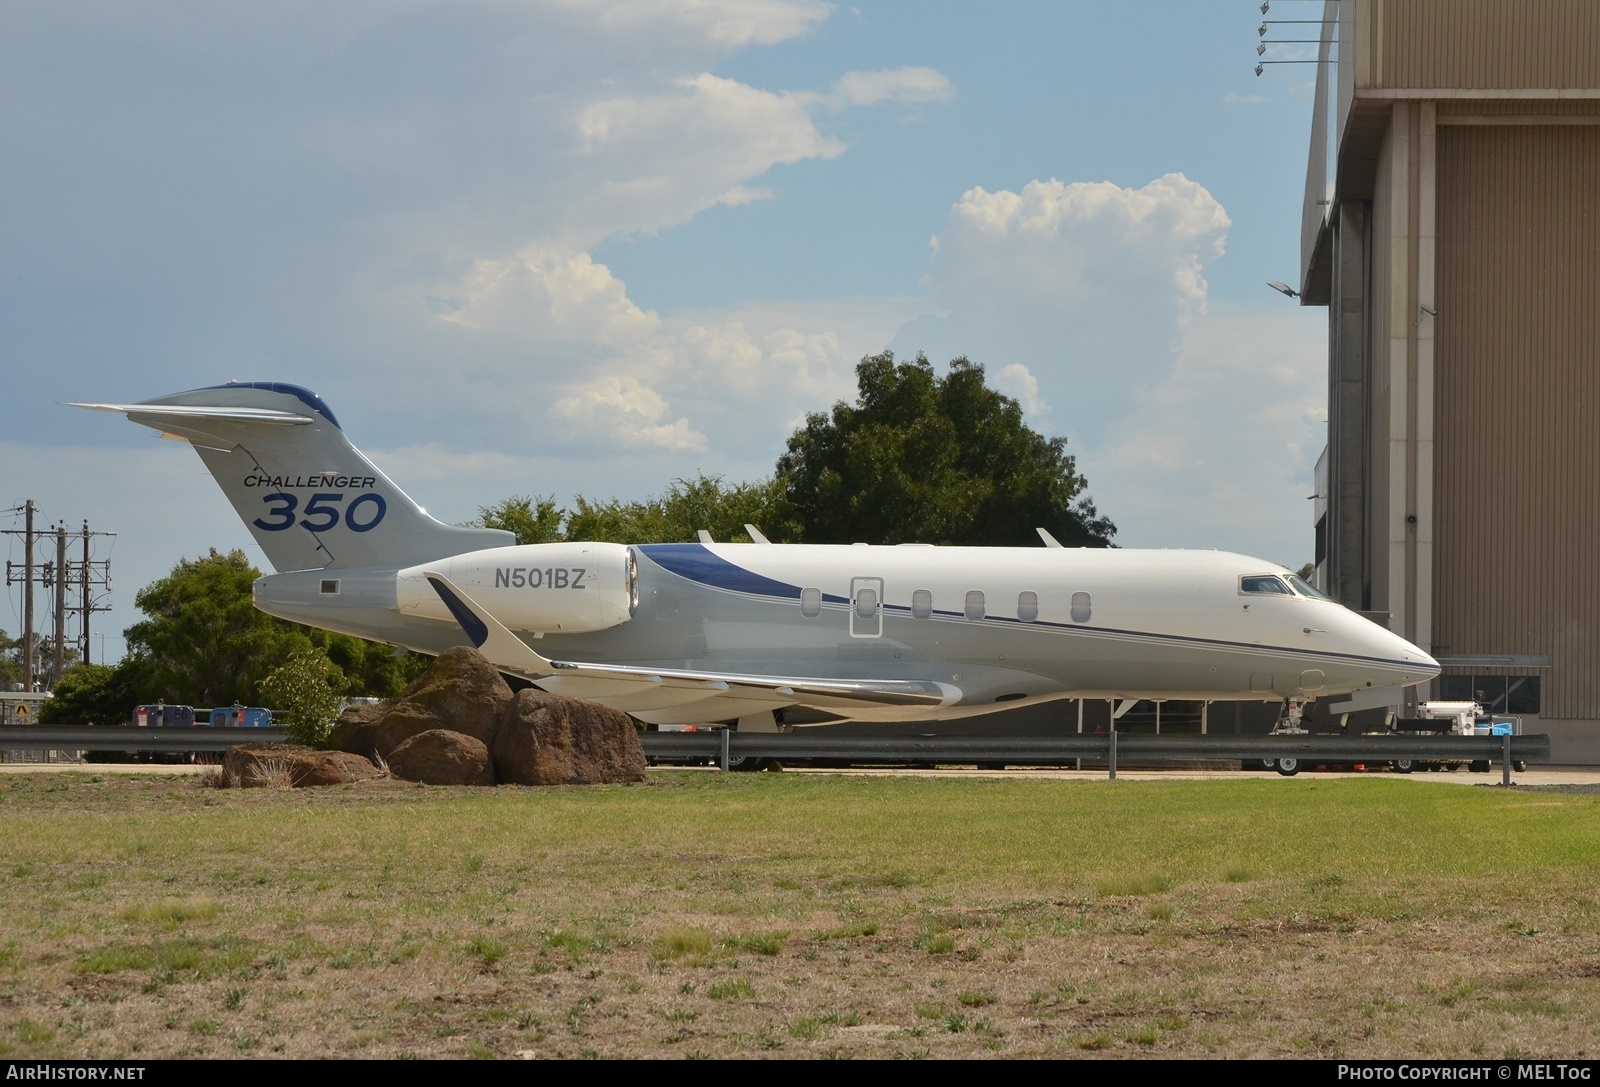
(60, 576)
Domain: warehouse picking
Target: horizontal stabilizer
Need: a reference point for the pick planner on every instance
(309, 497)
(176, 411)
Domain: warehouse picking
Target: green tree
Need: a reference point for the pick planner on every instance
(206, 642)
(203, 642)
(372, 669)
(533, 520)
(704, 502)
(929, 459)
(98, 694)
(306, 691)
(10, 659)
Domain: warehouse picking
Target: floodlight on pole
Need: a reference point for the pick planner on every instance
(1283, 288)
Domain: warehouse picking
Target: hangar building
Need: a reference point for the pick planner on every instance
(1452, 228)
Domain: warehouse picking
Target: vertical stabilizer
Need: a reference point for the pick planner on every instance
(308, 496)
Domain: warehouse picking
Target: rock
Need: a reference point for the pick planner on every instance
(348, 730)
(548, 739)
(285, 766)
(461, 692)
(439, 757)
(532, 738)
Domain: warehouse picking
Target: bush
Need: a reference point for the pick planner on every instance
(305, 692)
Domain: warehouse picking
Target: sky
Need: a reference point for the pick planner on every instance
(561, 247)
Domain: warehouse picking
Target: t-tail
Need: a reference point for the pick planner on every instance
(309, 497)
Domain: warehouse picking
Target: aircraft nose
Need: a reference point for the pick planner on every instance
(1417, 665)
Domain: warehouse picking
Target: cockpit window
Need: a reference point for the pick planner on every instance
(1305, 588)
(1264, 583)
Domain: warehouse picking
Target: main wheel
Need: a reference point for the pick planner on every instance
(1269, 764)
(1404, 766)
(748, 764)
(1289, 766)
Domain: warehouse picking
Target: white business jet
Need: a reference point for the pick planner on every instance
(765, 635)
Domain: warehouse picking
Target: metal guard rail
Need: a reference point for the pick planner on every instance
(723, 745)
(128, 738)
(1054, 750)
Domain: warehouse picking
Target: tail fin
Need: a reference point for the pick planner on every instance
(307, 495)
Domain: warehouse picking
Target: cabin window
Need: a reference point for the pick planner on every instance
(975, 604)
(921, 604)
(330, 587)
(1080, 607)
(1028, 606)
(866, 603)
(1264, 584)
(811, 603)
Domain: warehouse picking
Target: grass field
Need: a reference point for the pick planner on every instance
(708, 915)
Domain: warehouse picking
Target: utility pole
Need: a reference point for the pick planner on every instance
(27, 599)
(90, 572)
(83, 592)
(59, 664)
(57, 575)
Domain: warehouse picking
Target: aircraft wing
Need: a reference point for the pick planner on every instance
(669, 696)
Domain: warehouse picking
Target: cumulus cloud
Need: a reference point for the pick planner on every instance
(1017, 382)
(623, 410)
(1220, 452)
(568, 346)
(658, 158)
(1086, 285)
(663, 157)
(1194, 427)
(903, 85)
(728, 24)
(545, 293)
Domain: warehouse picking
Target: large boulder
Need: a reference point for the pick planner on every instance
(435, 730)
(352, 726)
(438, 757)
(461, 692)
(286, 766)
(548, 739)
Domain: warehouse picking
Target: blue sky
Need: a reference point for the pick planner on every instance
(561, 247)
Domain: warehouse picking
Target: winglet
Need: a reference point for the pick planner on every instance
(504, 649)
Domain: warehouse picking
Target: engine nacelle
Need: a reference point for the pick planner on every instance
(566, 588)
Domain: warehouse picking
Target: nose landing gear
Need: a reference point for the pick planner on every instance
(1289, 718)
(1289, 723)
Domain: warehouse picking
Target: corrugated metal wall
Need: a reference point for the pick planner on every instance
(1518, 401)
(1485, 44)
(1379, 374)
